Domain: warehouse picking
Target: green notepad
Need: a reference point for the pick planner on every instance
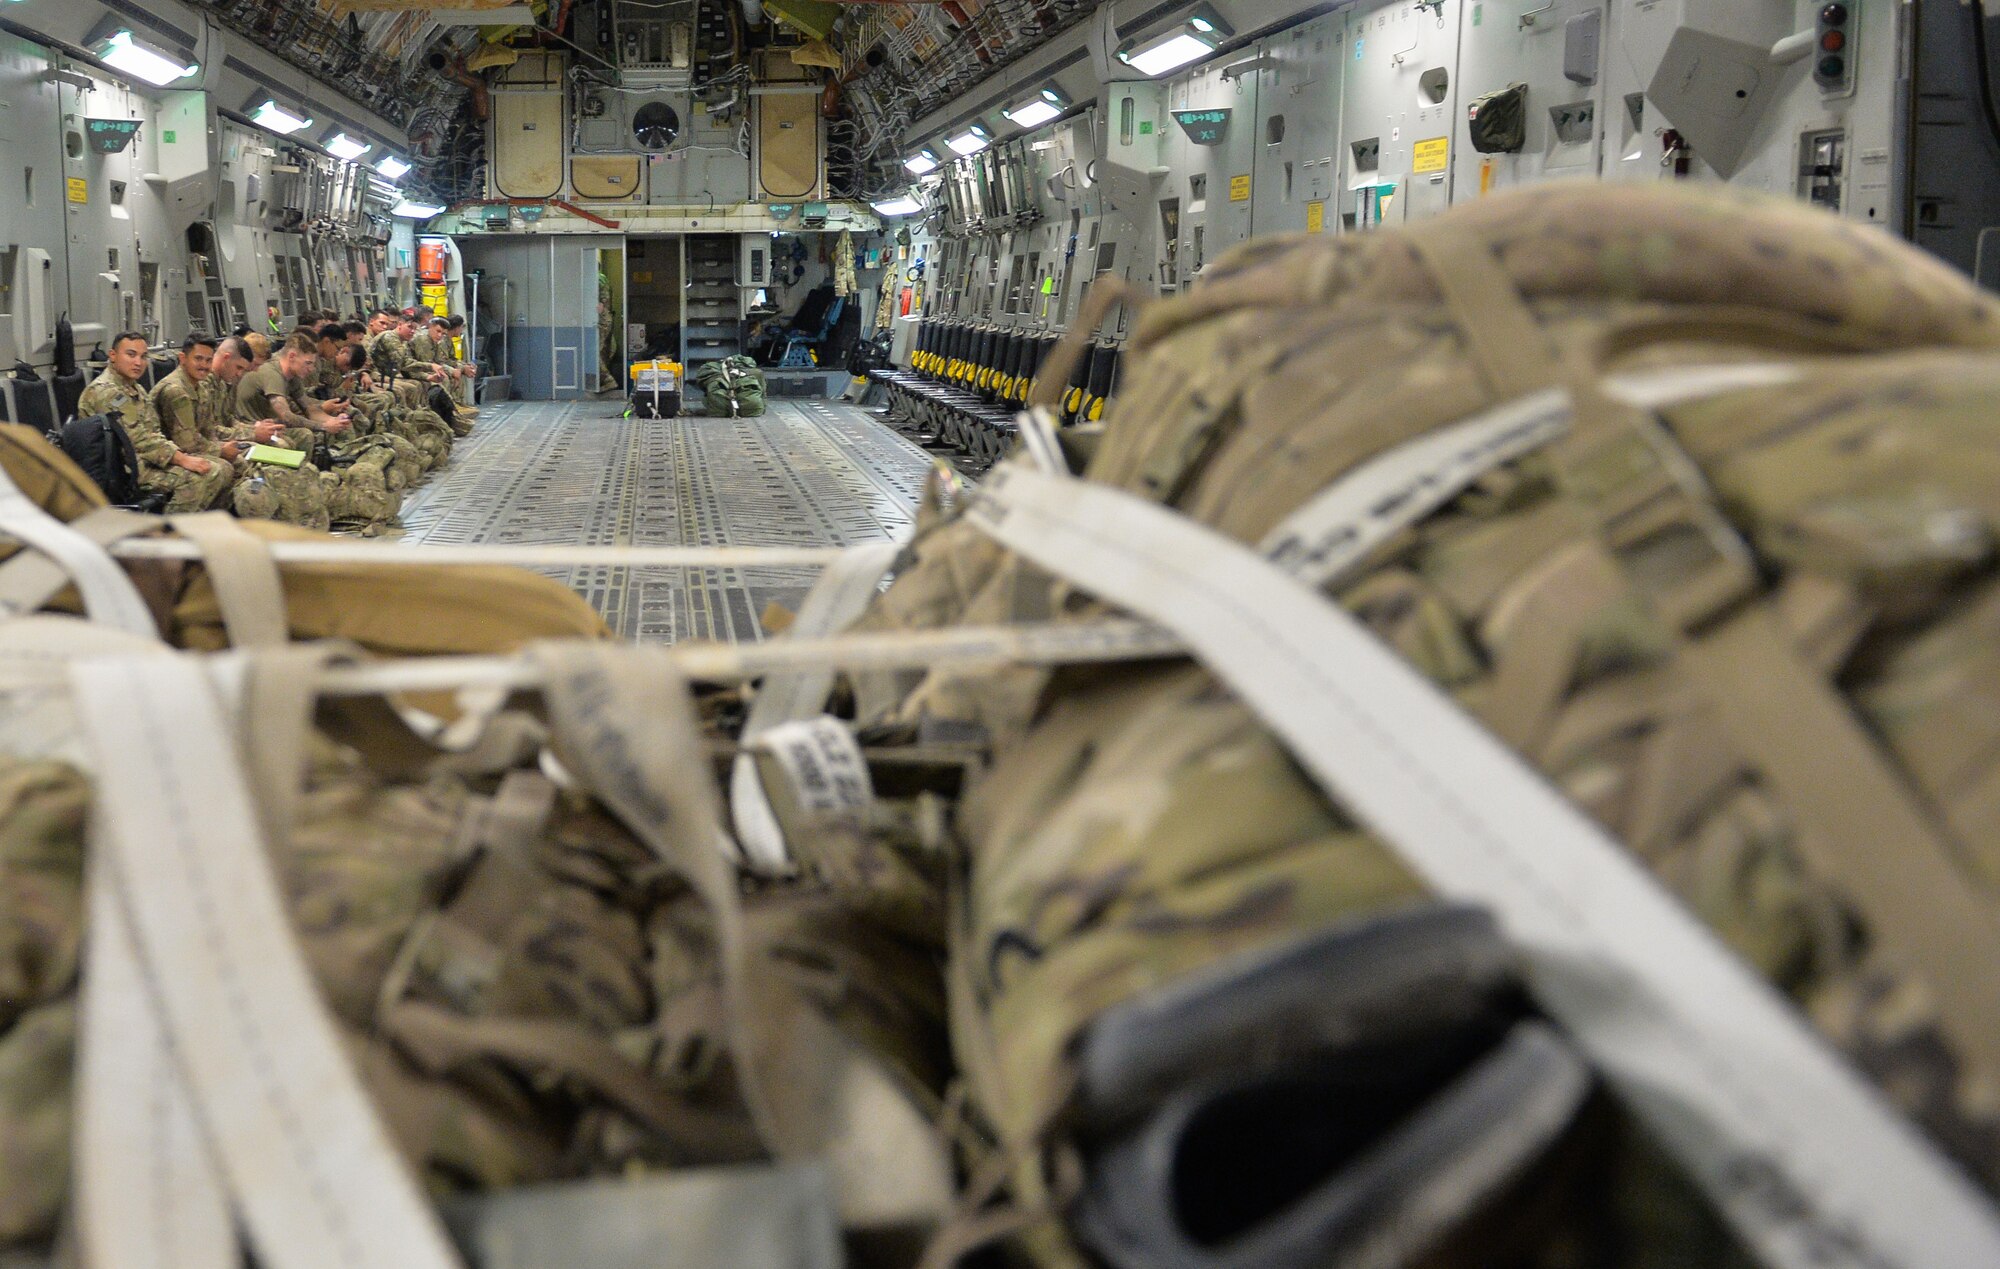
(276, 457)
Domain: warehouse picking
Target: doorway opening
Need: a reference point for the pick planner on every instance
(655, 317)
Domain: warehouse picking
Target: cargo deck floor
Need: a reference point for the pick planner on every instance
(807, 473)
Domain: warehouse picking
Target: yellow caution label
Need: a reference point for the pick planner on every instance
(79, 189)
(1316, 217)
(1433, 155)
(1239, 189)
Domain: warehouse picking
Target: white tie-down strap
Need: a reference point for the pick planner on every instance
(292, 1132)
(1807, 1161)
(108, 595)
(1335, 531)
(842, 593)
(822, 763)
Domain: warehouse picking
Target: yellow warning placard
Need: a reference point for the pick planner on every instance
(79, 189)
(1316, 217)
(1433, 155)
(1239, 189)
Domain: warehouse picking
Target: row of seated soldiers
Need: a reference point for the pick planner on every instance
(364, 406)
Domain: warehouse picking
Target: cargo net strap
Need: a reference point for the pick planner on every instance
(1857, 821)
(213, 1086)
(1800, 1154)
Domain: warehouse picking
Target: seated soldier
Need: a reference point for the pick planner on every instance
(389, 358)
(232, 362)
(420, 443)
(328, 340)
(186, 406)
(432, 344)
(275, 389)
(455, 331)
(191, 482)
(263, 491)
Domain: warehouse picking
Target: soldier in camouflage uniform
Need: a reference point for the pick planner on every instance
(431, 343)
(185, 405)
(457, 374)
(192, 483)
(360, 490)
(389, 357)
(266, 491)
(329, 339)
(422, 344)
(606, 361)
(343, 383)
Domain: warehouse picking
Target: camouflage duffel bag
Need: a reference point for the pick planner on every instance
(1207, 1018)
(528, 997)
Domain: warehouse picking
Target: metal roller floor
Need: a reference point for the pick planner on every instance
(806, 473)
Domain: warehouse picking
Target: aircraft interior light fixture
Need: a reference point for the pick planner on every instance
(345, 147)
(924, 160)
(415, 211)
(1037, 110)
(391, 168)
(901, 205)
(1189, 41)
(127, 56)
(970, 142)
(278, 119)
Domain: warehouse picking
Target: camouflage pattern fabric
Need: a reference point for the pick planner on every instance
(361, 489)
(1138, 826)
(183, 409)
(284, 494)
(124, 401)
(526, 998)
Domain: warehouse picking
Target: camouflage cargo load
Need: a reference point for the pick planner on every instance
(1139, 827)
(1056, 862)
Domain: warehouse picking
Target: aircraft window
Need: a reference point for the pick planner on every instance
(1433, 85)
(73, 144)
(10, 260)
(28, 185)
(1126, 110)
(1274, 130)
(1107, 256)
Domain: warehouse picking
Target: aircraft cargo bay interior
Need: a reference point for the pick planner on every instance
(999, 634)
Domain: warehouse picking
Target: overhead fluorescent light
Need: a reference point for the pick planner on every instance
(129, 57)
(345, 147)
(898, 206)
(921, 162)
(415, 211)
(1038, 109)
(389, 167)
(278, 119)
(969, 142)
(1171, 53)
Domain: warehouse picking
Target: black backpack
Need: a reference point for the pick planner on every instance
(100, 446)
